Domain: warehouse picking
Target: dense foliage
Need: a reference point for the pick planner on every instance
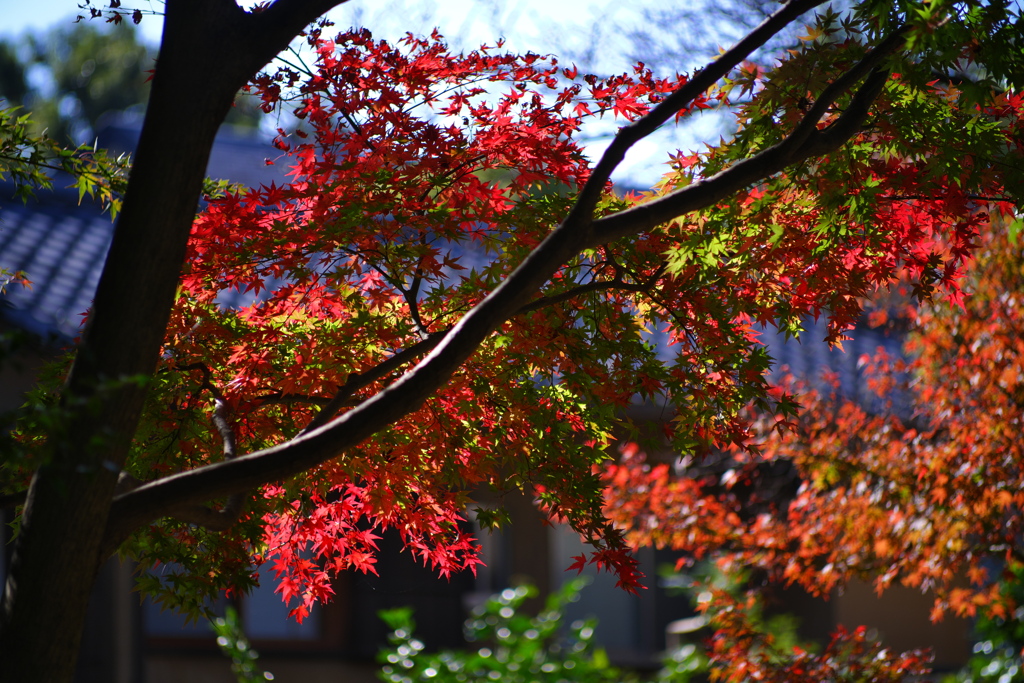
(513, 646)
(234, 645)
(506, 644)
(921, 487)
(400, 323)
(999, 638)
(924, 493)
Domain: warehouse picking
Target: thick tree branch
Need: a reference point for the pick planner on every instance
(276, 26)
(194, 513)
(805, 142)
(357, 381)
(808, 126)
(850, 122)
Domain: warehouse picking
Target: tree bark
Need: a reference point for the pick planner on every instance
(209, 50)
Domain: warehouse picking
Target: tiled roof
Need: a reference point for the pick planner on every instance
(61, 245)
(809, 358)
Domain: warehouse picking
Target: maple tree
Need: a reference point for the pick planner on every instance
(920, 487)
(934, 474)
(447, 295)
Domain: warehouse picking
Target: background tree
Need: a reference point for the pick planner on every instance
(453, 331)
(921, 488)
(13, 86)
(705, 29)
(79, 74)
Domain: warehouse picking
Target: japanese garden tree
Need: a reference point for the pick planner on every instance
(448, 295)
(920, 488)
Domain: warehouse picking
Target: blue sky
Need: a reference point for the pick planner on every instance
(524, 21)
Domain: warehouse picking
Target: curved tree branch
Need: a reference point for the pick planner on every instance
(805, 142)
(214, 519)
(702, 81)
(358, 381)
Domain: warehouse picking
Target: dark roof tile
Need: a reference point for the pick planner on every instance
(61, 244)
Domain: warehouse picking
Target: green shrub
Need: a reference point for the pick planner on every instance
(512, 647)
(997, 652)
(233, 643)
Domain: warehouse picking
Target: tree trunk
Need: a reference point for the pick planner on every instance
(210, 48)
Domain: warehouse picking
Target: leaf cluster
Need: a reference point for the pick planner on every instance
(514, 646)
(232, 641)
(34, 161)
